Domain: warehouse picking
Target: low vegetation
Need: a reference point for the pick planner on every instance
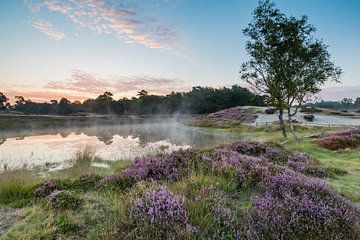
(245, 190)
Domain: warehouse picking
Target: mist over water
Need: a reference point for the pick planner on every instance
(109, 142)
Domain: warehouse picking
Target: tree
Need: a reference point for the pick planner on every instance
(3, 101)
(64, 106)
(357, 101)
(346, 101)
(287, 65)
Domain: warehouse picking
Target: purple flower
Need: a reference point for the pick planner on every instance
(296, 205)
(169, 166)
(162, 210)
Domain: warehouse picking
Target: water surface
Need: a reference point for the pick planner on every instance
(110, 142)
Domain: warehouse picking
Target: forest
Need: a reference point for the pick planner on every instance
(199, 100)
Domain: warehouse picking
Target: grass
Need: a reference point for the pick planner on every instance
(348, 160)
(104, 212)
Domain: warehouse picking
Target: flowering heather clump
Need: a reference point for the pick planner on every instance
(64, 199)
(46, 188)
(273, 152)
(162, 213)
(299, 161)
(169, 166)
(118, 181)
(225, 219)
(248, 170)
(341, 140)
(234, 113)
(295, 206)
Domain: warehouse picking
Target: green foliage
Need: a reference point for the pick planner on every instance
(197, 101)
(287, 64)
(63, 199)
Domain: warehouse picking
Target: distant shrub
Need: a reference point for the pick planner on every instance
(116, 181)
(234, 113)
(63, 199)
(298, 207)
(169, 166)
(161, 214)
(270, 111)
(340, 141)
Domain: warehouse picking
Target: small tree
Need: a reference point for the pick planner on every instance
(287, 65)
(3, 101)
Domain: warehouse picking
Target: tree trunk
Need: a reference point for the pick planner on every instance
(282, 124)
(292, 129)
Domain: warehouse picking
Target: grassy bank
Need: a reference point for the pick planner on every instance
(211, 193)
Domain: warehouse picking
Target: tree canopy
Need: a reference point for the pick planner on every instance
(287, 64)
(200, 100)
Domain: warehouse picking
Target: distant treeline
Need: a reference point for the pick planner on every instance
(199, 100)
(345, 103)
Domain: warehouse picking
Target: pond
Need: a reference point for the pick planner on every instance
(319, 119)
(109, 142)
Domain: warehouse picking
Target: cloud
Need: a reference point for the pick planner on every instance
(82, 82)
(49, 30)
(125, 20)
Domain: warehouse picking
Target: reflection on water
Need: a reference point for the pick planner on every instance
(109, 142)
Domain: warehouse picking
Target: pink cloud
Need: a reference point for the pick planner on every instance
(124, 20)
(49, 30)
(90, 83)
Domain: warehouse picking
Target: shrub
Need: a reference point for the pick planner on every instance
(63, 199)
(295, 206)
(247, 170)
(341, 140)
(161, 214)
(115, 181)
(273, 152)
(299, 161)
(169, 166)
(87, 181)
(225, 220)
(47, 187)
(234, 113)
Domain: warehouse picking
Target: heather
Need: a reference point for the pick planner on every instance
(341, 140)
(235, 113)
(295, 205)
(245, 190)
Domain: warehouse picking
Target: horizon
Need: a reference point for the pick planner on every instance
(55, 49)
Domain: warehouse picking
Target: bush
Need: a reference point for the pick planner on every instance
(116, 181)
(161, 214)
(300, 162)
(63, 199)
(273, 152)
(47, 187)
(169, 166)
(247, 170)
(295, 206)
(87, 181)
(341, 140)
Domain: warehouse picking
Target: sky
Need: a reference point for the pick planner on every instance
(81, 48)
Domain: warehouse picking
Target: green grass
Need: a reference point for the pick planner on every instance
(348, 160)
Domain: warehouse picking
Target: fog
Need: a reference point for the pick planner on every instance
(37, 147)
